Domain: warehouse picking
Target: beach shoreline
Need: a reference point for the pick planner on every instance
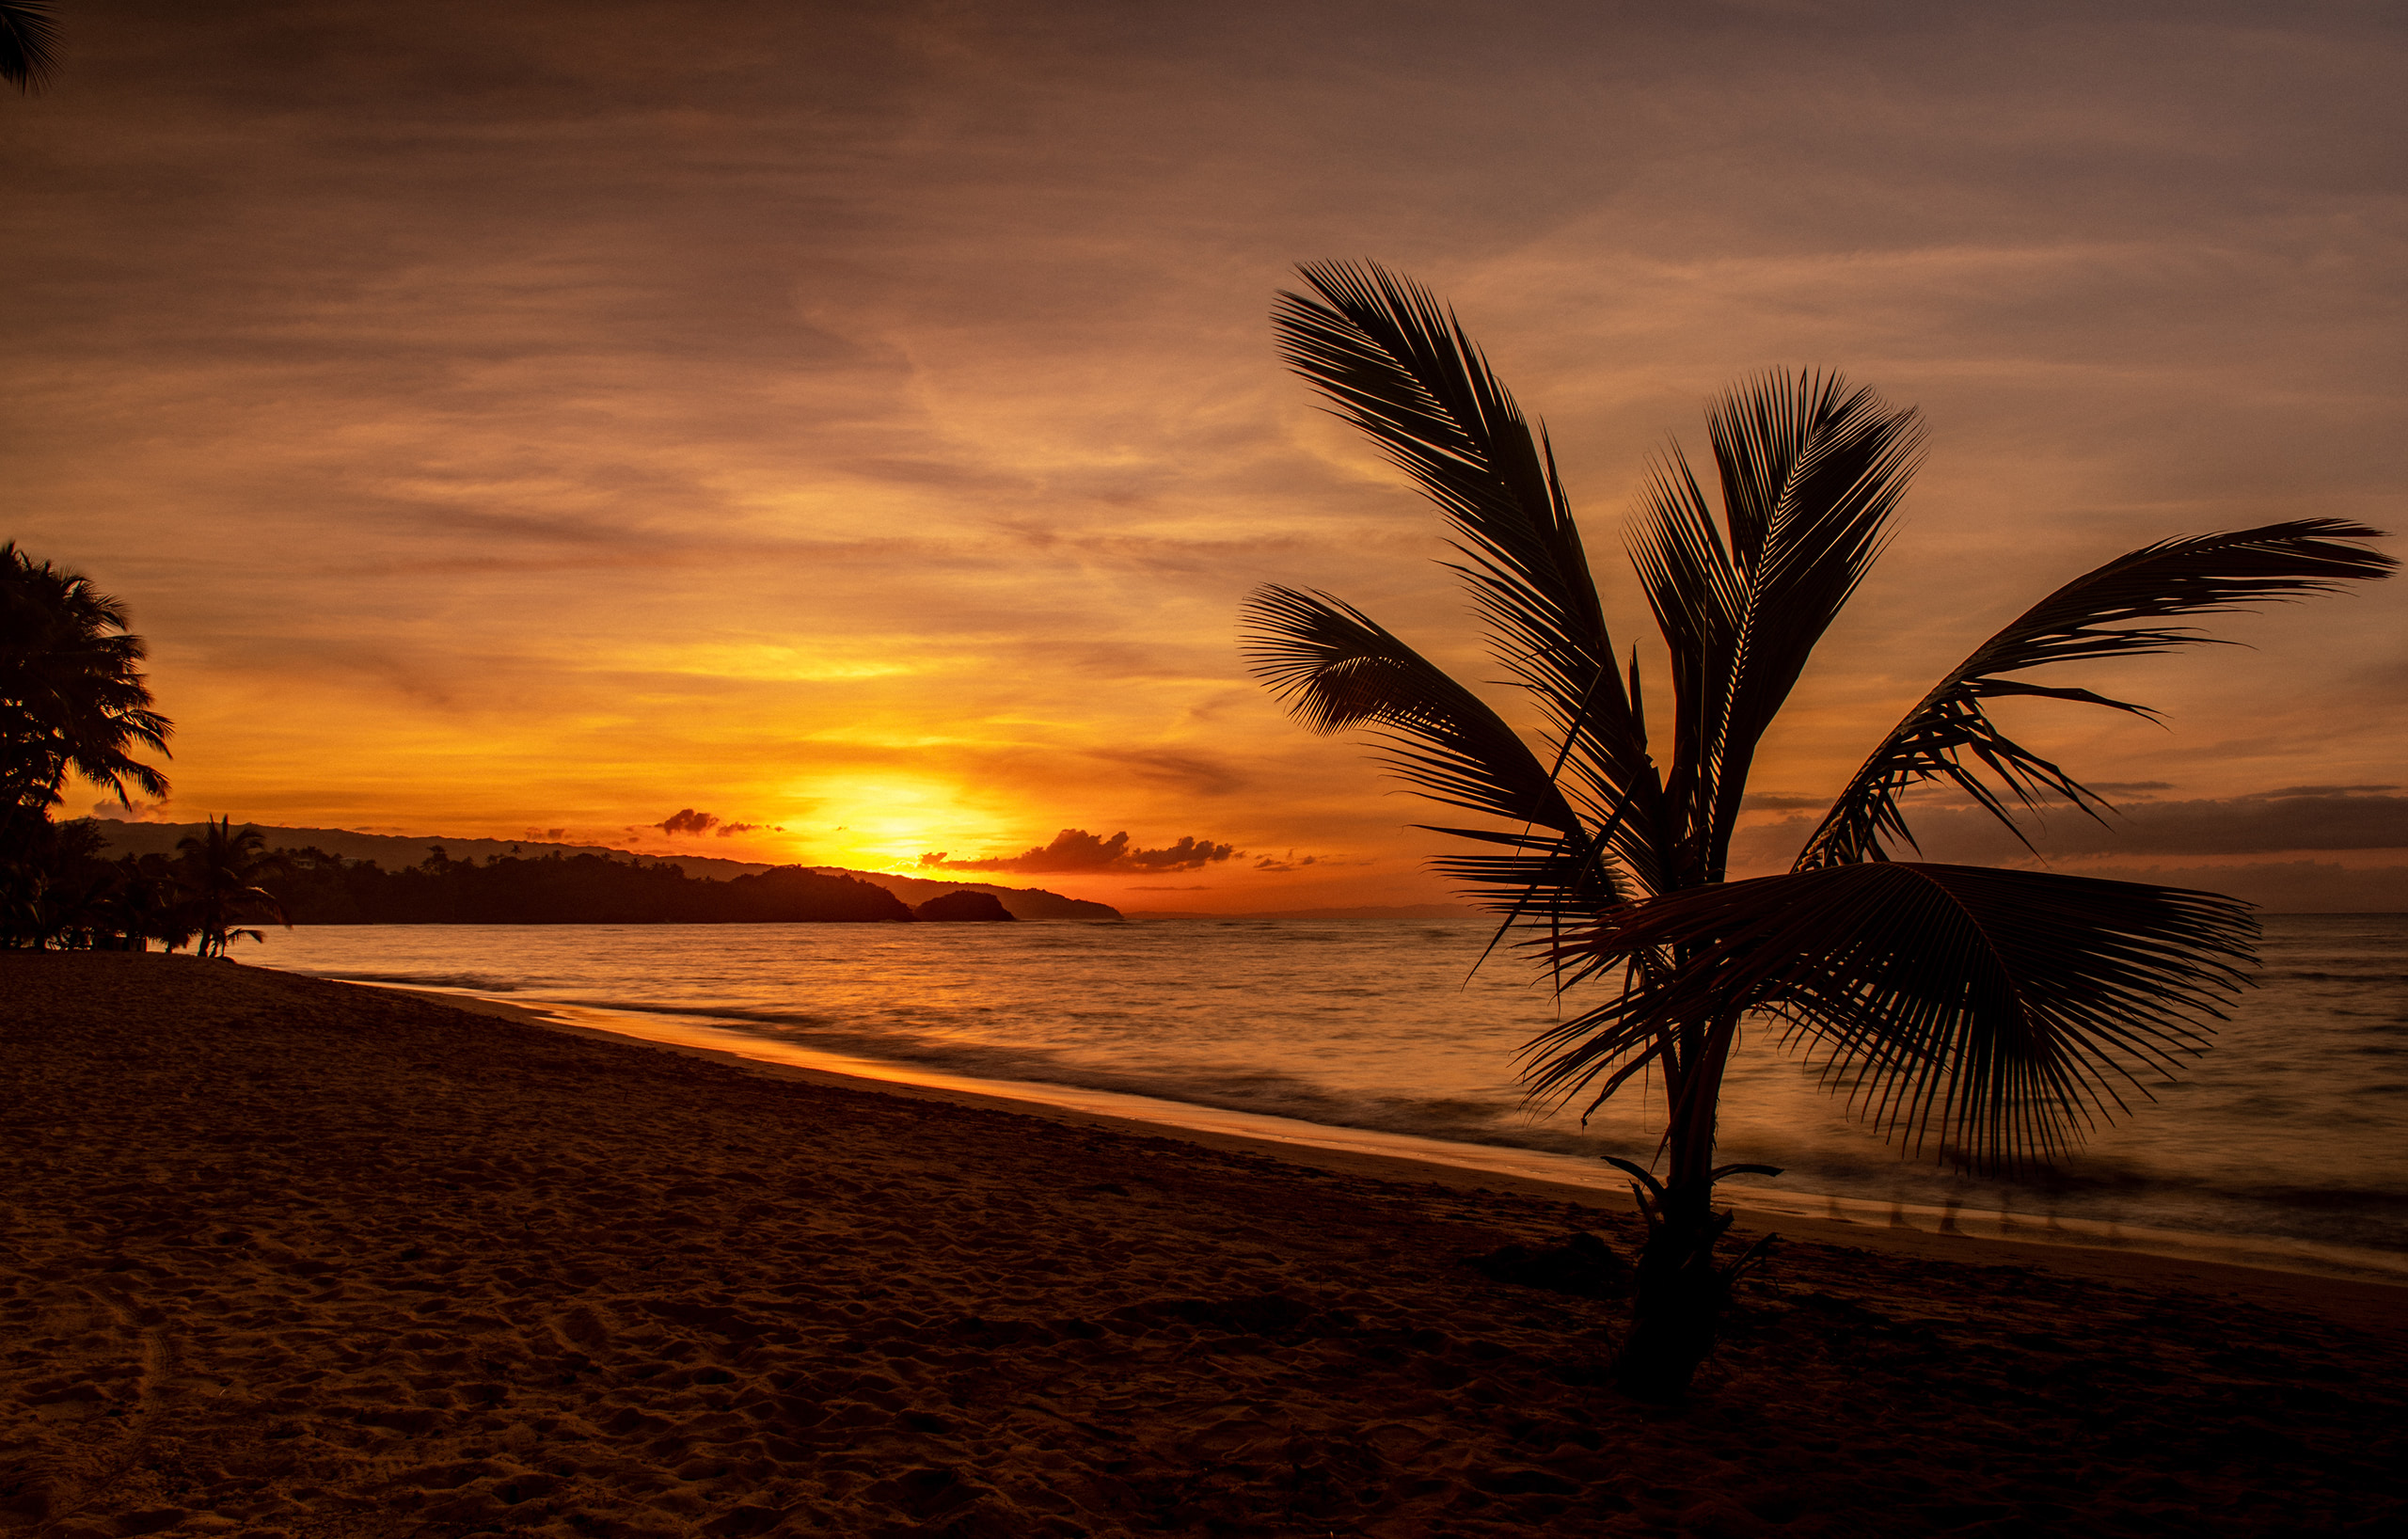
(2368, 1303)
(2275, 1149)
(292, 1257)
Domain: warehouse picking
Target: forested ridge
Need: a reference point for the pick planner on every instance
(316, 888)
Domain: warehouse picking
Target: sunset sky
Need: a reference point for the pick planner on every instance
(862, 422)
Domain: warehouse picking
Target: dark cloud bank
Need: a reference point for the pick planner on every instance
(1076, 850)
(2282, 886)
(687, 821)
(2290, 821)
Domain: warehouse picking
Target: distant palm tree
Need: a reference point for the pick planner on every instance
(28, 37)
(141, 909)
(1991, 1014)
(220, 872)
(72, 693)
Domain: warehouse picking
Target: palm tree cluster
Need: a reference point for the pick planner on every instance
(1985, 1016)
(58, 893)
(73, 702)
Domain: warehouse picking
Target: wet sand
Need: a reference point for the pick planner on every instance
(289, 1257)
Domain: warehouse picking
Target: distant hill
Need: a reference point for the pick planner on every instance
(954, 907)
(1020, 902)
(316, 889)
(395, 852)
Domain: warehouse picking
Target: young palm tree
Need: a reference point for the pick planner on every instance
(221, 872)
(1986, 1015)
(72, 694)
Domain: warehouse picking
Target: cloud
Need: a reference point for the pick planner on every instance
(2297, 818)
(1076, 850)
(1290, 863)
(968, 399)
(134, 812)
(687, 821)
(1199, 774)
(2256, 823)
(2283, 886)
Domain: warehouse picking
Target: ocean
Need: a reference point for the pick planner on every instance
(2286, 1144)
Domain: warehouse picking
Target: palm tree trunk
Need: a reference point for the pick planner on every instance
(1678, 1299)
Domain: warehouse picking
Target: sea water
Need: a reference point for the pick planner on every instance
(2291, 1129)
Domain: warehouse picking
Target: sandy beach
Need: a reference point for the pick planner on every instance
(293, 1258)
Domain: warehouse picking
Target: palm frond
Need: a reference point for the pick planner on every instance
(1553, 881)
(2107, 612)
(1396, 364)
(1336, 669)
(1811, 472)
(1998, 1014)
(71, 694)
(28, 43)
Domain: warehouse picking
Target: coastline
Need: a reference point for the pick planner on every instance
(292, 1257)
(1379, 1036)
(2366, 1298)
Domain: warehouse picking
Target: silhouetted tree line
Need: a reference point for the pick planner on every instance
(59, 893)
(317, 888)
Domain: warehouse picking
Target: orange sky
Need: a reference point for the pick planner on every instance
(864, 421)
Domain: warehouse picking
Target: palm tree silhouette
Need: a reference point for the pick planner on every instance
(220, 872)
(1987, 1015)
(143, 907)
(52, 880)
(71, 694)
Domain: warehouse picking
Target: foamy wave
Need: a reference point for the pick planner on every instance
(480, 982)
